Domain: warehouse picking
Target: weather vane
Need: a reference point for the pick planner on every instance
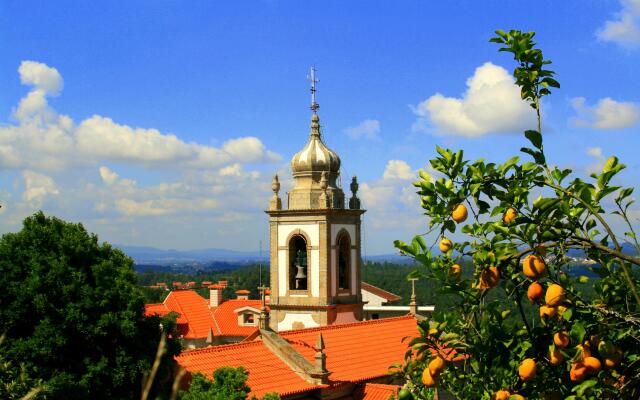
(313, 80)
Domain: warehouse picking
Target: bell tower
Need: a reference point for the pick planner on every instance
(315, 241)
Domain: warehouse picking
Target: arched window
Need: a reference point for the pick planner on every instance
(344, 256)
(298, 274)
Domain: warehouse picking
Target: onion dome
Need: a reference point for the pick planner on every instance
(315, 156)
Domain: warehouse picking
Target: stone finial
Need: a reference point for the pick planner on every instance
(264, 314)
(413, 305)
(321, 358)
(210, 337)
(354, 201)
(275, 203)
(324, 184)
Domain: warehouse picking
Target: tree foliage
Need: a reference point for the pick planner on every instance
(228, 384)
(524, 218)
(72, 314)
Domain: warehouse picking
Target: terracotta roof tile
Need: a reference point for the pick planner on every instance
(375, 391)
(267, 372)
(194, 313)
(156, 309)
(358, 351)
(226, 319)
(390, 297)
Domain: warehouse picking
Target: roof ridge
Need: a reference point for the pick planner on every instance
(214, 349)
(182, 313)
(350, 324)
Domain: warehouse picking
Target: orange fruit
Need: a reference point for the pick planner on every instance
(428, 379)
(554, 295)
(555, 357)
(547, 312)
(436, 365)
(592, 364)
(501, 395)
(561, 339)
(578, 372)
(509, 215)
(611, 361)
(455, 271)
(445, 245)
(584, 349)
(527, 369)
(533, 266)
(489, 278)
(459, 213)
(518, 397)
(534, 292)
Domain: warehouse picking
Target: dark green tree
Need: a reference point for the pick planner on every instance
(228, 384)
(72, 314)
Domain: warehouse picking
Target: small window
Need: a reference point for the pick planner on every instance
(375, 316)
(344, 250)
(248, 319)
(298, 263)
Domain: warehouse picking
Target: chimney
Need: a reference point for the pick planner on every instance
(267, 295)
(215, 295)
(242, 294)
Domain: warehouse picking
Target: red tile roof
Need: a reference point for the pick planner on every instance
(243, 291)
(375, 391)
(358, 351)
(195, 317)
(267, 372)
(156, 309)
(390, 297)
(226, 319)
(355, 352)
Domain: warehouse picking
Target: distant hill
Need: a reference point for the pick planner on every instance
(208, 257)
(151, 255)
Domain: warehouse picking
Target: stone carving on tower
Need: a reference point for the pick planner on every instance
(315, 241)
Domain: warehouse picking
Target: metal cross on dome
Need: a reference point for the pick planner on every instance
(312, 78)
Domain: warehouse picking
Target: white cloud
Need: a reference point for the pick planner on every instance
(595, 152)
(41, 77)
(624, 30)
(391, 200)
(491, 104)
(164, 206)
(109, 177)
(606, 114)
(598, 162)
(368, 129)
(398, 169)
(45, 140)
(37, 188)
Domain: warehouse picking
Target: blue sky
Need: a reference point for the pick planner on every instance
(161, 123)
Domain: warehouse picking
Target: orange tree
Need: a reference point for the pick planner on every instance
(522, 326)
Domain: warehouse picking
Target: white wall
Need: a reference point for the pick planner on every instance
(287, 323)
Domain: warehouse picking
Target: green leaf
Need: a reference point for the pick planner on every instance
(418, 241)
(577, 332)
(610, 164)
(534, 137)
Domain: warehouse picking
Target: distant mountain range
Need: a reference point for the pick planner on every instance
(151, 255)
